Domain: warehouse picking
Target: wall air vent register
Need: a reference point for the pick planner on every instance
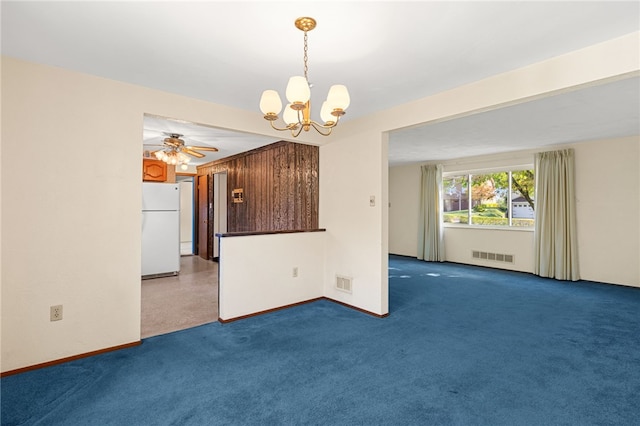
(343, 283)
(496, 257)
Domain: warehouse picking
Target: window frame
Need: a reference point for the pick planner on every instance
(468, 175)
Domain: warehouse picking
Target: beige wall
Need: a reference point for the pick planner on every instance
(608, 231)
(404, 205)
(608, 206)
(353, 169)
(72, 222)
(256, 271)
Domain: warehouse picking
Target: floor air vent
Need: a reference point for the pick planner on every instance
(497, 257)
(343, 283)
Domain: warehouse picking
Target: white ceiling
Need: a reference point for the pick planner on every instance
(387, 53)
(605, 111)
(228, 143)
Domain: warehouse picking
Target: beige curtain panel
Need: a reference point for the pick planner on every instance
(430, 228)
(556, 249)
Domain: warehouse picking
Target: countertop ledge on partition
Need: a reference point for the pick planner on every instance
(244, 234)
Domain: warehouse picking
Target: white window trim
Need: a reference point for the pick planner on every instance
(509, 227)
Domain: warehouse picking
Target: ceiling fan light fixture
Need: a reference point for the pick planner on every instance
(297, 114)
(175, 152)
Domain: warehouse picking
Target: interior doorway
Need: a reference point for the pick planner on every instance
(191, 297)
(212, 213)
(187, 214)
(203, 217)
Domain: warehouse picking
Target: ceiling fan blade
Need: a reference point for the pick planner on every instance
(191, 152)
(203, 148)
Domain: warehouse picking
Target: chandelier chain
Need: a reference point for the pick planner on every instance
(306, 67)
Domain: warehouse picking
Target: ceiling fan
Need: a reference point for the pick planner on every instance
(174, 151)
(173, 142)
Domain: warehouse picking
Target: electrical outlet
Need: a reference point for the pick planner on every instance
(55, 313)
(295, 271)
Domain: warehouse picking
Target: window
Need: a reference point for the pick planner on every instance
(503, 198)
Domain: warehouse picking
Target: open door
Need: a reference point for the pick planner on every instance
(203, 217)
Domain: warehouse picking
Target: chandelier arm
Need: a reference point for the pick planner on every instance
(295, 131)
(319, 126)
(278, 128)
(326, 126)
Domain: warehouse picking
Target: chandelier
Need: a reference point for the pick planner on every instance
(297, 114)
(173, 156)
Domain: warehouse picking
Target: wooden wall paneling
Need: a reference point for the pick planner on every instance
(291, 216)
(259, 209)
(266, 200)
(300, 206)
(307, 189)
(254, 173)
(297, 216)
(241, 179)
(267, 193)
(314, 191)
(248, 214)
(232, 181)
(302, 203)
(280, 183)
(237, 208)
(280, 194)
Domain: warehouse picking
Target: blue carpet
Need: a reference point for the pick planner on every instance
(462, 346)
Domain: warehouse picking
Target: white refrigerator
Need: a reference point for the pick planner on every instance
(160, 229)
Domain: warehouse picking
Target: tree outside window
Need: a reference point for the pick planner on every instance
(504, 198)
